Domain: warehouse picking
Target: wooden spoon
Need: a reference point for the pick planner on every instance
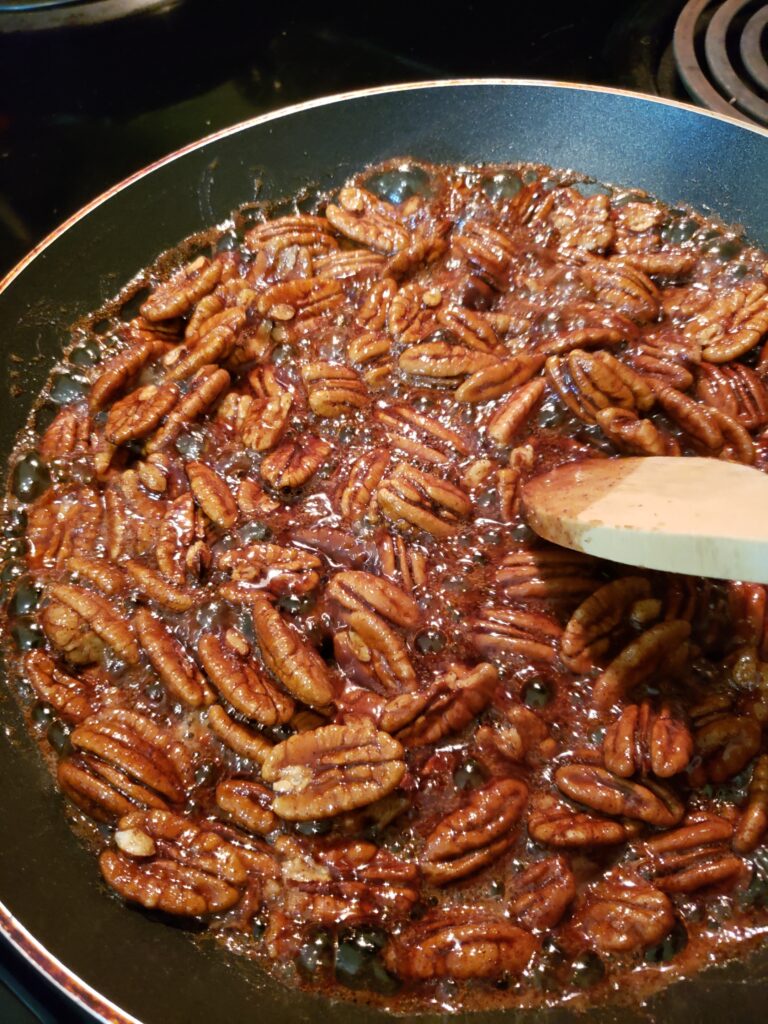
(702, 517)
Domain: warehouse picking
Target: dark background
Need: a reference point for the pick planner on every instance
(81, 108)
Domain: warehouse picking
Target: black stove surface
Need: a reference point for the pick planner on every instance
(83, 107)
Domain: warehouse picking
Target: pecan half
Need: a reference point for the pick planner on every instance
(475, 834)
(500, 632)
(550, 572)
(204, 389)
(243, 683)
(623, 912)
(590, 381)
(313, 233)
(753, 822)
(289, 658)
(461, 943)
(120, 371)
(336, 768)
(175, 668)
(357, 491)
(372, 222)
(71, 634)
(443, 360)
(123, 760)
(411, 496)
(66, 694)
(246, 803)
(555, 823)
(102, 618)
(265, 421)
(602, 791)
(736, 390)
(644, 741)
(334, 389)
(512, 415)
(212, 494)
(692, 857)
(590, 631)
(243, 741)
(665, 644)
(182, 290)
(167, 863)
(294, 463)
(137, 415)
(499, 378)
(731, 324)
(446, 707)
(422, 437)
(539, 896)
(280, 569)
(619, 285)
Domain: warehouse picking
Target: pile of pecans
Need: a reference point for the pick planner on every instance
(290, 642)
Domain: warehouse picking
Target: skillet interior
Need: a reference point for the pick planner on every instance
(47, 881)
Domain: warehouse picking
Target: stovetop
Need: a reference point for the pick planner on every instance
(83, 107)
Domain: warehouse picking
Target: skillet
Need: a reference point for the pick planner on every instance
(119, 963)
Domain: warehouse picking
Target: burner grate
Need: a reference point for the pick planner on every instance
(719, 52)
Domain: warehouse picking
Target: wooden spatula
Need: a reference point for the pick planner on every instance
(701, 517)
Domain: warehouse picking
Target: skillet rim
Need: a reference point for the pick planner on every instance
(21, 939)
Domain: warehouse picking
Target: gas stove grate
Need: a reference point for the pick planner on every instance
(720, 55)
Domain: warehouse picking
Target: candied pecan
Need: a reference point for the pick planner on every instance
(582, 222)
(499, 632)
(206, 386)
(354, 263)
(372, 222)
(68, 433)
(166, 862)
(725, 742)
(461, 942)
(246, 803)
(154, 587)
(645, 741)
(137, 415)
(215, 346)
(450, 704)
(692, 857)
(183, 289)
(356, 493)
(424, 500)
(499, 378)
(602, 791)
(510, 479)
(623, 912)
(313, 233)
(665, 357)
(353, 591)
(589, 633)
(521, 737)
(301, 298)
(98, 571)
(731, 324)
(175, 536)
(68, 696)
(176, 670)
(71, 634)
(400, 562)
(420, 436)
(511, 415)
(471, 328)
(371, 351)
(119, 371)
(409, 317)
(633, 435)
(336, 768)
(242, 740)
(546, 573)
(294, 462)
(590, 381)
(753, 823)
(350, 882)
(122, 759)
(554, 823)
(266, 421)
(444, 360)
(476, 834)
(736, 390)
(663, 645)
(212, 494)
(374, 307)
(539, 896)
(281, 569)
(295, 664)
(333, 389)
(490, 250)
(620, 286)
(101, 616)
(582, 325)
(243, 683)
